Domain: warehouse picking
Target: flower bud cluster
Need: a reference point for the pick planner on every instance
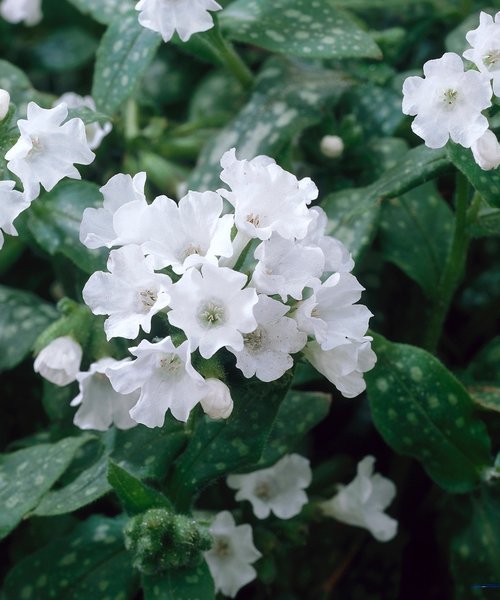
(262, 282)
(448, 102)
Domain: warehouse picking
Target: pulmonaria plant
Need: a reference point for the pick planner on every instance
(264, 284)
(448, 103)
(28, 12)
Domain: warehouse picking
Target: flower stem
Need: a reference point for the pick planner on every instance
(225, 52)
(453, 270)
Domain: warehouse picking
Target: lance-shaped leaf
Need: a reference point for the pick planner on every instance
(423, 411)
(89, 563)
(180, 584)
(27, 474)
(103, 11)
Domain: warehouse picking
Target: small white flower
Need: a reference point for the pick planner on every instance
(266, 198)
(266, 351)
(344, 365)
(286, 267)
(337, 256)
(95, 132)
(166, 380)
(332, 146)
(187, 234)
(447, 102)
(17, 11)
(485, 51)
(184, 16)
(100, 406)
(212, 308)
(59, 362)
(362, 502)
(47, 150)
(131, 293)
(278, 489)
(231, 555)
(217, 402)
(486, 151)
(330, 313)
(4, 103)
(116, 223)
(12, 204)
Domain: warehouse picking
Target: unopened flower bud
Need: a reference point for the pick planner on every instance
(160, 540)
(59, 362)
(218, 403)
(486, 151)
(332, 146)
(4, 103)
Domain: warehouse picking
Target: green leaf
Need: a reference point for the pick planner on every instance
(23, 316)
(15, 82)
(487, 183)
(55, 221)
(298, 27)
(476, 547)
(89, 563)
(353, 213)
(298, 413)
(288, 97)
(225, 446)
(27, 474)
(104, 11)
(487, 222)
(376, 109)
(135, 496)
(423, 411)
(87, 115)
(416, 230)
(66, 49)
(486, 396)
(143, 452)
(126, 51)
(180, 584)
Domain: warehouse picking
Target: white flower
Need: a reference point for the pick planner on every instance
(344, 365)
(131, 293)
(278, 489)
(166, 380)
(100, 406)
(12, 204)
(28, 11)
(95, 132)
(212, 308)
(332, 146)
(337, 256)
(330, 313)
(448, 102)
(231, 555)
(116, 223)
(4, 103)
(362, 502)
(266, 351)
(486, 151)
(266, 198)
(217, 402)
(184, 16)
(59, 362)
(286, 267)
(485, 51)
(47, 150)
(187, 234)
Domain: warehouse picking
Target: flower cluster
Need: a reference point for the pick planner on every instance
(448, 102)
(46, 152)
(263, 283)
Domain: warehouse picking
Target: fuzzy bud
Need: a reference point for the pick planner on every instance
(160, 540)
(4, 103)
(332, 146)
(486, 151)
(218, 403)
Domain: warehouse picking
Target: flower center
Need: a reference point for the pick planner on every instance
(171, 363)
(491, 58)
(450, 96)
(253, 219)
(222, 547)
(211, 314)
(253, 341)
(147, 299)
(190, 250)
(264, 490)
(36, 145)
